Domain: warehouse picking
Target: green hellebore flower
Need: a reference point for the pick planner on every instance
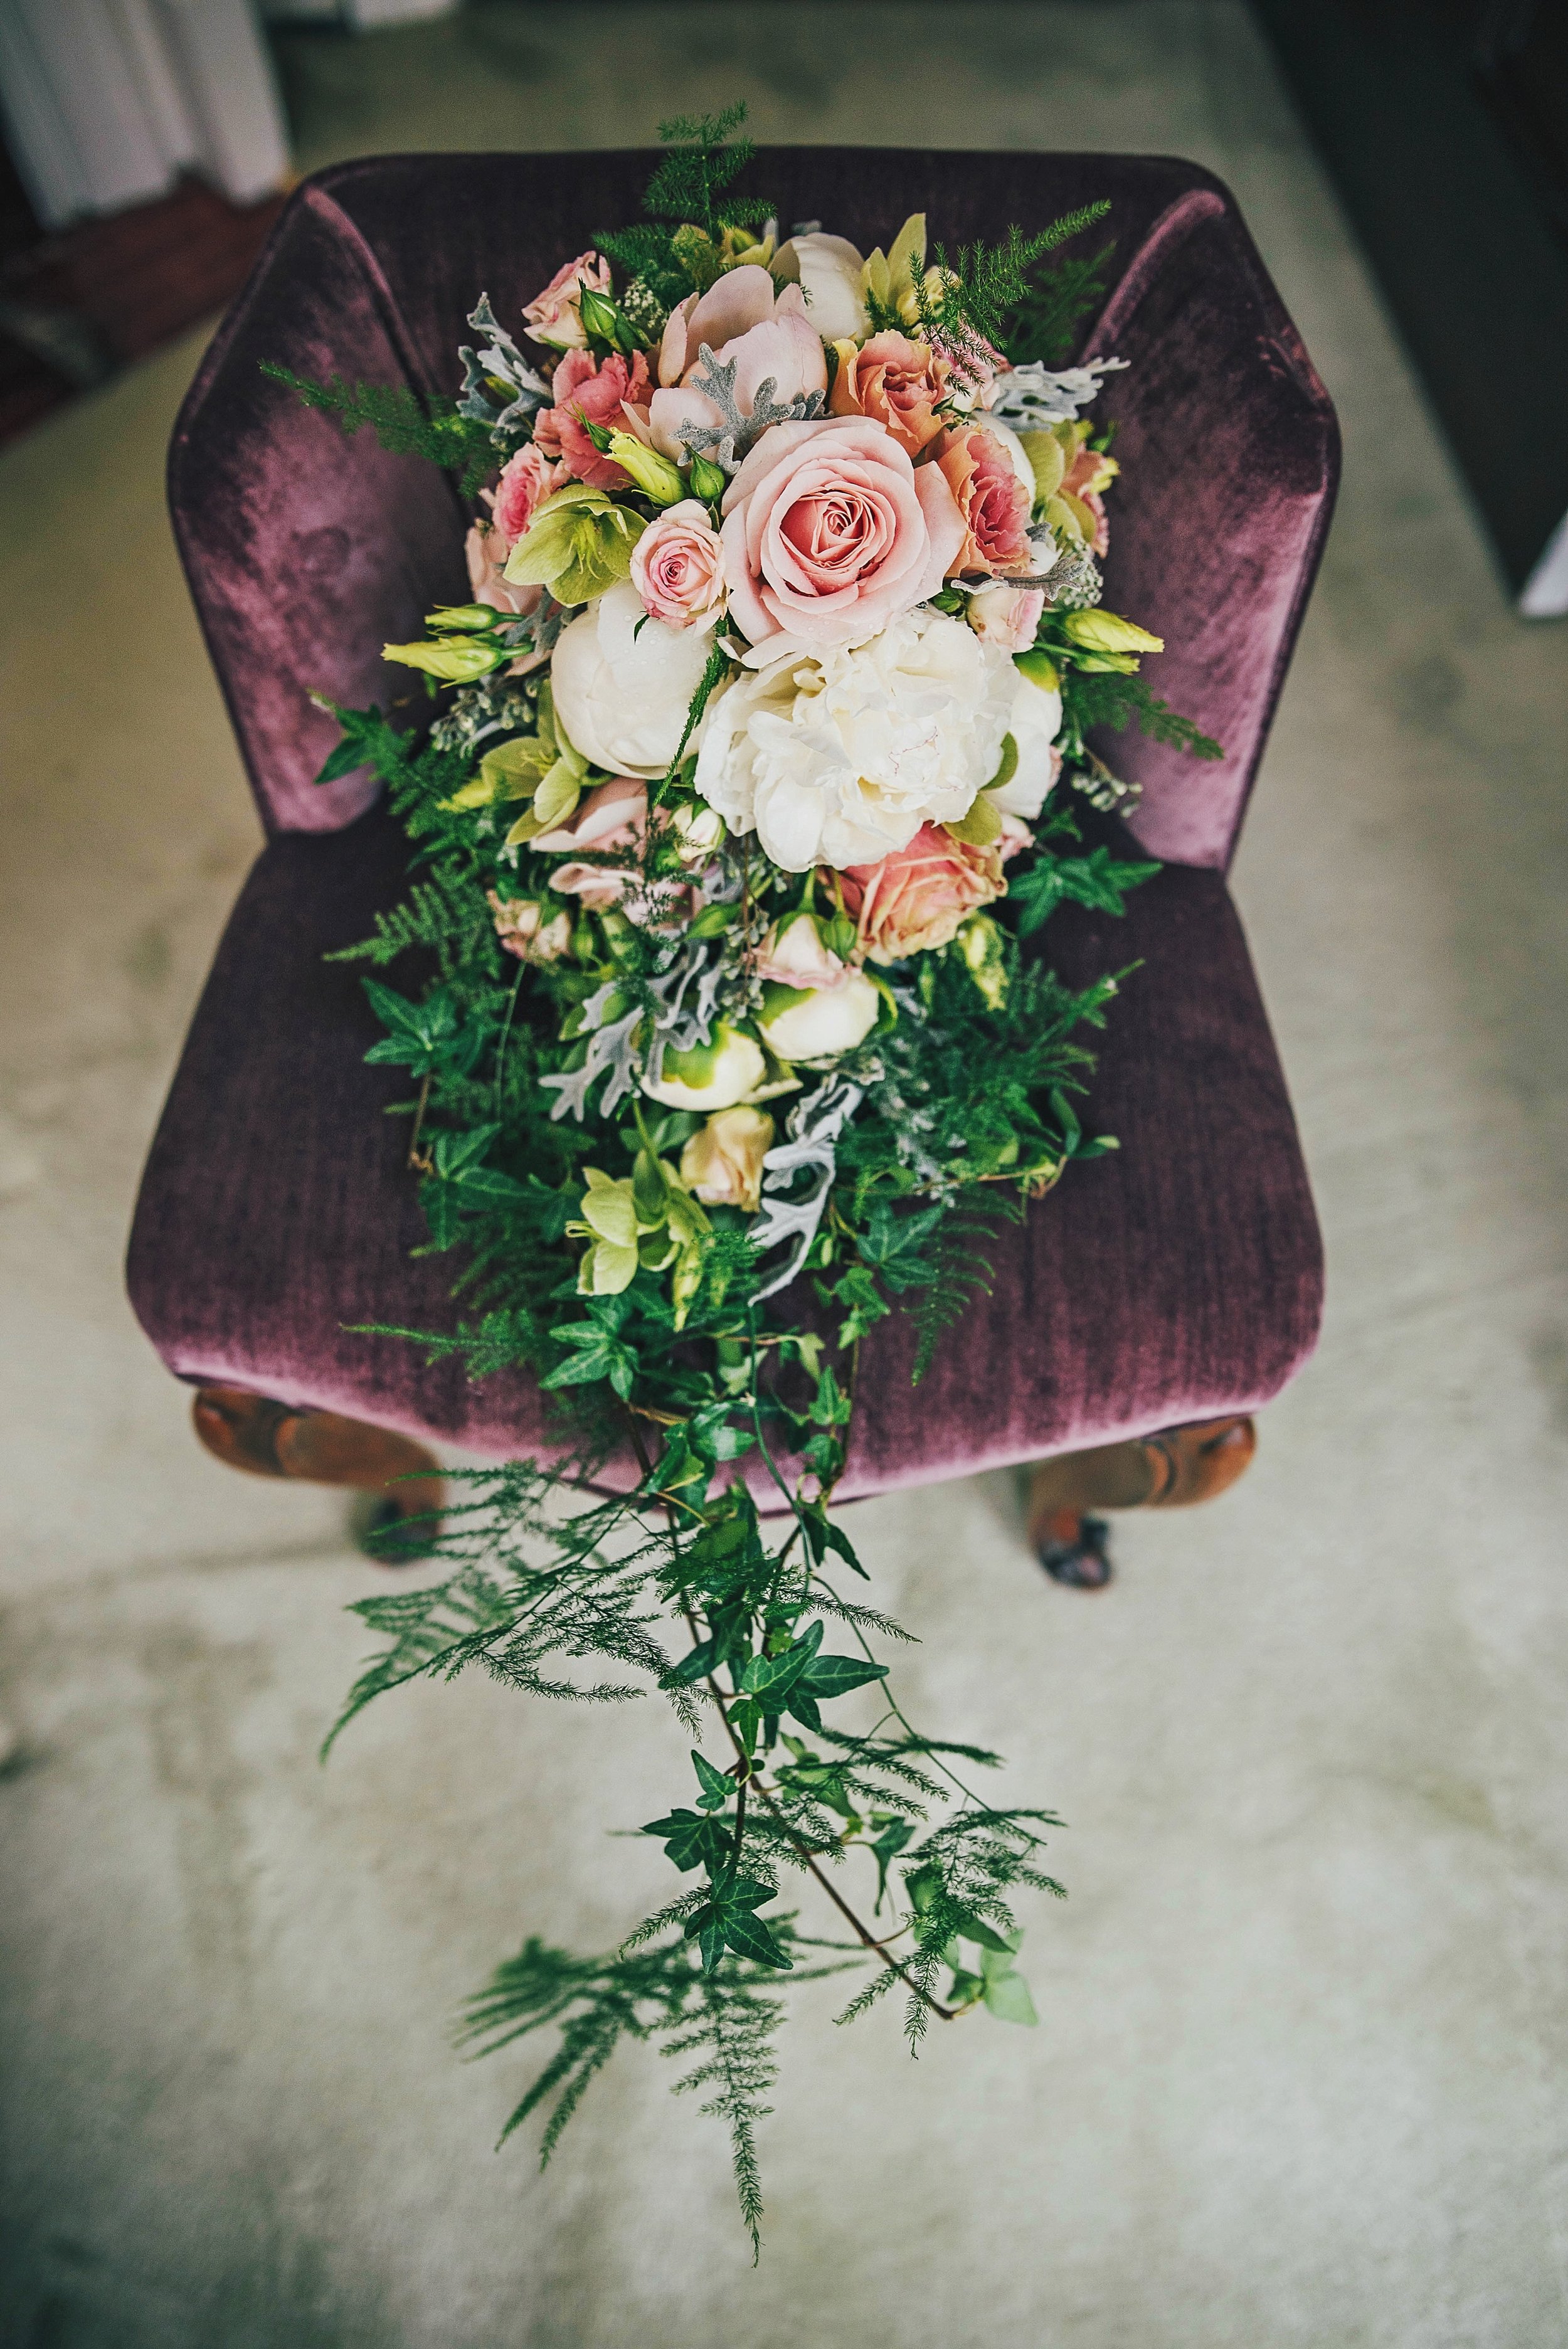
(456, 660)
(653, 475)
(578, 545)
(1104, 632)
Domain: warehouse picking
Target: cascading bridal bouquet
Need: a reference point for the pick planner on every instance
(750, 787)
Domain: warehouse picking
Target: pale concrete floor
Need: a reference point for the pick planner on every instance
(1305, 2043)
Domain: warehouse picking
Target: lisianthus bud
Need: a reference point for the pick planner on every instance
(1105, 631)
(461, 619)
(602, 322)
(714, 1075)
(817, 1023)
(456, 660)
(708, 481)
(723, 1164)
(653, 474)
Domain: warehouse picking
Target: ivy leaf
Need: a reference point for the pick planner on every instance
(698, 1664)
(774, 1676)
(1099, 880)
(717, 1788)
(1006, 1996)
(599, 1356)
(833, 1676)
(749, 1938)
(692, 1841)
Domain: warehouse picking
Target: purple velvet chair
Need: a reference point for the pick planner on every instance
(1175, 1281)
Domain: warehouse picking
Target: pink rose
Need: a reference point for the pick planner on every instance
(917, 896)
(615, 396)
(831, 532)
(793, 954)
(486, 550)
(612, 815)
(896, 382)
(744, 318)
(1015, 834)
(555, 316)
(1007, 616)
(678, 567)
(525, 478)
(993, 501)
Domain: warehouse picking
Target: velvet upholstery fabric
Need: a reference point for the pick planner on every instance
(1178, 1278)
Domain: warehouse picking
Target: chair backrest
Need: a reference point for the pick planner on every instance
(304, 549)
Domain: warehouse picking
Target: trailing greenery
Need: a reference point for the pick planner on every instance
(688, 1364)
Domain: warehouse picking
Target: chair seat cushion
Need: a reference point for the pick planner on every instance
(1178, 1278)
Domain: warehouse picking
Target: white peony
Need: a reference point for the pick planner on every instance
(622, 693)
(840, 756)
(1037, 721)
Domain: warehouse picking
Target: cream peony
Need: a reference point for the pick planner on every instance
(1037, 720)
(840, 756)
(621, 694)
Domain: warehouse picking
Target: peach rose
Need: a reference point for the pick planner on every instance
(829, 532)
(555, 316)
(723, 1163)
(525, 478)
(1007, 616)
(917, 897)
(743, 317)
(678, 567)
(978, 467)
(896, 382)
(524, 931)
(614, 395)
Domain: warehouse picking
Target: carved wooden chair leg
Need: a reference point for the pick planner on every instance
(1173, 1470)
(320, 1447)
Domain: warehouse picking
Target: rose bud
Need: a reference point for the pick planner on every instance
(723, 1164)
(817, 1023)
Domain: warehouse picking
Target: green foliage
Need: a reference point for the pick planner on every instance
(403, 423)
(1002, 295)
(702, 162)
(1044, 319)
(1099, 880)
(1110, 698)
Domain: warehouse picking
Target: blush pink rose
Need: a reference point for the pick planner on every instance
(1007, 616)
(743, 316)
(993, 501)
(614, 395)
(831, 532)
(896, 381)
(555, 316)
(486, 549)
(678, 567)
(1015, 834)
(527, 930)
(525, 478)
(917, 896)
(612, 815)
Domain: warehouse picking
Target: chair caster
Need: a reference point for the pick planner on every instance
(400, 1520)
